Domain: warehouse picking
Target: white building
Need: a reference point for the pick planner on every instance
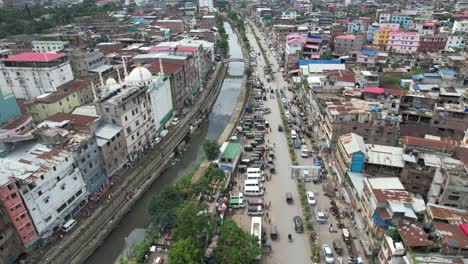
(33, 74)
(385, 18)
(206, 4)
(288, 15)
(455, 40)
(160, 97)
(357, 25)
(46, 46)
(50, 184)
(460, 26)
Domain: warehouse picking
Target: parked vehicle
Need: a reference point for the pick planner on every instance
(304, 151)
(346, 237)
(236, 200)
(273, 232)
(255, 210)
(68, 225)
(280, 128)
(337, 246)
(328, 254)
(321, 216)
(310, 198)
(298, 224)
(253, 191)
(175, 121)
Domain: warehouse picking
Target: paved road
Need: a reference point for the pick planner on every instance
(323, 202)
(281, 213)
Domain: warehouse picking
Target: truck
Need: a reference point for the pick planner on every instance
(236, 200)
(255, 210)
(256, 231)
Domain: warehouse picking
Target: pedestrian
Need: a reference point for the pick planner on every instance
(267, 215)
(274, 144)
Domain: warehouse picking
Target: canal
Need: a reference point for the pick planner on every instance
(131, 229)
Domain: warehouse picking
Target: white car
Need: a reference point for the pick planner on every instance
(311, 198)
(287, 114)
(175, 121)
(328, 254)
(283, 100)
(157, 140)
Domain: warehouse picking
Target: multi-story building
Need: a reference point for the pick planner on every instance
(206, 5)
(426, 28)
(84, 60)
(367, 57)
(44, 46)
(403, 42)
(10, 241)
(16, 127)
(382, 36)
(8, 107)
(33, 74)
(65, 100)
(456, 40)
(371, 29)
(16, 209)
(176, 26)
(449, 185)
(385, 17)
(344, 44)
(460, 26)
(288, 15)
(129, 107)
(112, 146)
(432, 43)
(392, 252)
(404, 21)
(313, 46)
(293, 50)
(357, 25)
(159, 93)
(49, 182)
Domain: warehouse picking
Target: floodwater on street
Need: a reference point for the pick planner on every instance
(131, 229)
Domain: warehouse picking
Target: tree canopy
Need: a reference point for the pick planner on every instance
(235, 245)
(192, 222)
(162, 207)
(211, 149)
(184, 252)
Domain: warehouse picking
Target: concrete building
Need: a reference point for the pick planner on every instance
(44, 46)
(460, 26)
(83, 61)
(160, 97)
(206, 5)
(382, 36)
(8, 107)
(404, 21)
(10, 242)
(288, 15)
(175, 26)
(350, 154)
(432, 43)
(16, 127)
(50, 184)
(385, 17)
(10, 197)
(357, 25)
(455, 41)
(344, 44)
(293, 50)
(65, 100)
(404, 42)
(112, 146)
(81, 142)
(393, 252)
(33, 74)
(129, 107)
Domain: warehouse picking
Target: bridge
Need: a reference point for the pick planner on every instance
(234, 60)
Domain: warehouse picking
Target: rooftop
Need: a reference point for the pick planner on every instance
(307, 62)
(34, 57)
(346, 37)
(385, 183)
(73, 119)
(447, 214)
(451, 235)
(385, 155)
(353, 143)
(231, 151)
(392, 195)
(428, 143)
(413, 235)
(63, 91)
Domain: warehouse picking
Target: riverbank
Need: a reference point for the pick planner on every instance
(235, 117)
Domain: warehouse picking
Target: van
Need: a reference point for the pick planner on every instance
(253, 191)
(273, 232)
(253, 183)
(68, 225)
(255, 176)
(293, 134)
(253, 170)
(304, 151)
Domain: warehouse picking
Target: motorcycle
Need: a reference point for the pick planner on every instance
(290, 237)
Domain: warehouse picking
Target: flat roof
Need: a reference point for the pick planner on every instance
(231, 151)
(385, 183)
(385, 155)
(107, 131)
(35, 57)
(100, 69)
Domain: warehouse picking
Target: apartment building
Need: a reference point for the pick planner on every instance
(43, 46)
(112, 147)
(404, 42)
(432, 43)
(33, 74)
(344, 44)
(10, 242)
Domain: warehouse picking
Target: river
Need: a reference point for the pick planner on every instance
(131, 229)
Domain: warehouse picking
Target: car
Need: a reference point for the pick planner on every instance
(175, 121)
(287, 114)
(283, 100)
(328, 254)
(298, 224)
(289, 197)
(280, 128)
(266, 110)
(157, 140)
(310, 198)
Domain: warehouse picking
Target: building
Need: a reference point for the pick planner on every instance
(350, 153)
(8, 107)
(44, 46)
(33, 74)
(289, 15)
(392, 252)
(83, 61)
(81, 142)
(113, 149)
(449, 184)
(383, 160)
(432, 43)
(206, 5)
(344, 44)
(357, 25)
(293, 50)
(404, 21)
(317, 67)
(129, 107)
(403, 42)
(367, 57)
(65, 100)
(455, 41)
(16, 127)
(160, 97)
(460, 26)
(175, 26)
(10, 242)
(382, 36)
(50, 185)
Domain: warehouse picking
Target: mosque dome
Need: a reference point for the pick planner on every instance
(111, 82)
(139, 74)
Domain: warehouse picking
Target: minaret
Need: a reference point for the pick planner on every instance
(118, 76)
(125, 67)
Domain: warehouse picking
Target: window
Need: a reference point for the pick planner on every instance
(453, 197)
(39, 193)
(60, 209)
(48, 218)
(13, 196)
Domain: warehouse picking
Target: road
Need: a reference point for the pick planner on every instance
(281, 213)
(282, 181)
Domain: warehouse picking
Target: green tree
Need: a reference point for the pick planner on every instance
(184, 252)
(192, 222)
(235, 245)
(248, 71)
(389, 79)
(211, 149)
(162, 207)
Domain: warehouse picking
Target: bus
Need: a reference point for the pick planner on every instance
(256, 231)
